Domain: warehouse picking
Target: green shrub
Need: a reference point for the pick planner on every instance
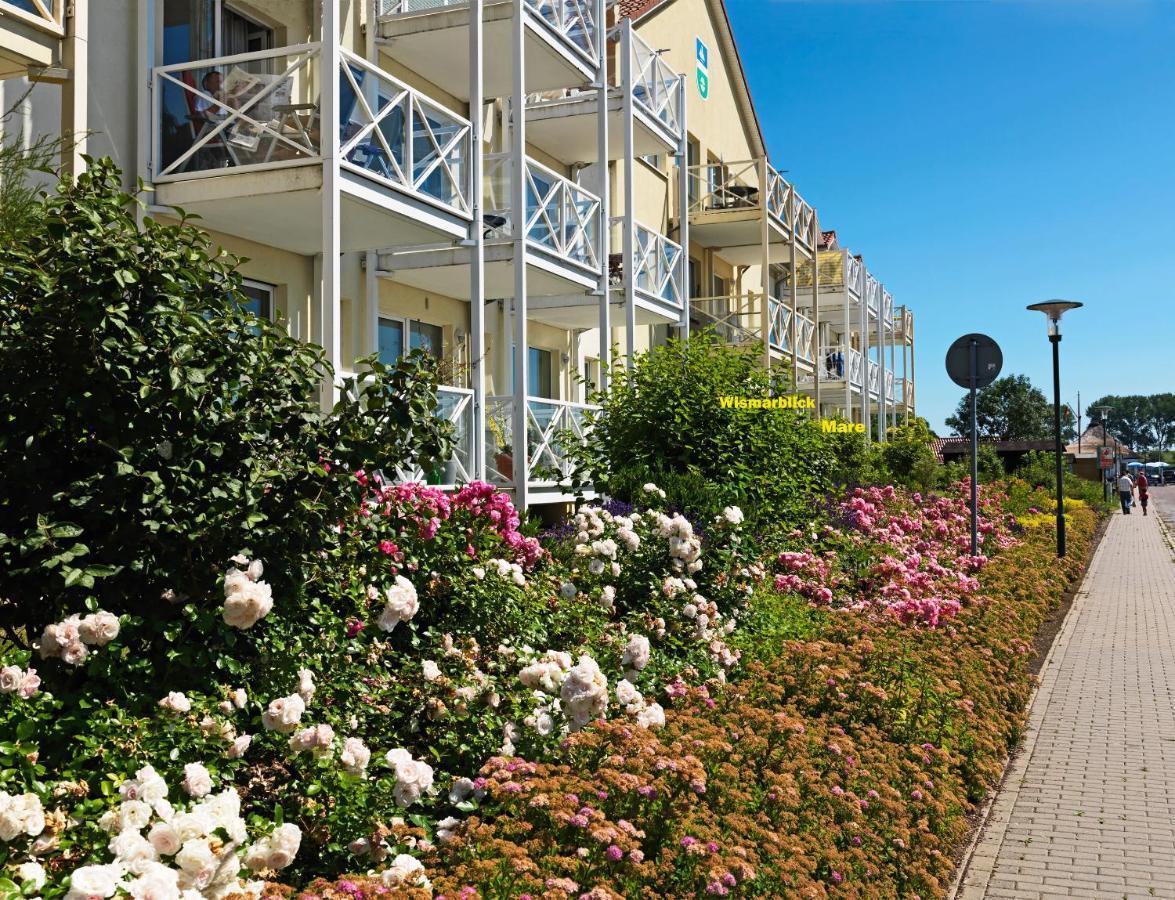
(150, 428)
(664, 415)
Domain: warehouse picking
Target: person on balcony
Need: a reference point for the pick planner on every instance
(205, 113)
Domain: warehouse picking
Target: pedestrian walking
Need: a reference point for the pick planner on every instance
(1125, 492)
(1141, 484)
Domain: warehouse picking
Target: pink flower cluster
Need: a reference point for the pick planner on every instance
(428, 507)
(924, 570)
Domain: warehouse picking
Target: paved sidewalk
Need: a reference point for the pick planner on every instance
(1088, 807)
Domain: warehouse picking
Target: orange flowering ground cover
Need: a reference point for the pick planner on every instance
(842, 767)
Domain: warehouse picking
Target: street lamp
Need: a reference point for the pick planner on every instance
(1053, 310)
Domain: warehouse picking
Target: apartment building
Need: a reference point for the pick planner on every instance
(530, 190)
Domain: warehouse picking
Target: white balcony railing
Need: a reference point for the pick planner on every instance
(453, 405)
(889, 395)
(47, 15)
(872, 294)
(735, 185)
(907, 392)
(854, 274)
(887, 308)
(654, 85)
(571, 21)
(874, 377)
(562, 218)
(553, 427)
(841, 363)
(655, 264)
(805, 329)
(257, 111)
(780, 333)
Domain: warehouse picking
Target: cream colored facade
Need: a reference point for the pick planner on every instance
(395, 227)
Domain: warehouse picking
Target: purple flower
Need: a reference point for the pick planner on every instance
(688, 841)
(614, 853)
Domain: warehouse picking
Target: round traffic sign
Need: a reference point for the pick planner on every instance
(988, 361)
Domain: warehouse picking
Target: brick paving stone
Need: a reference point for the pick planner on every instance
(1088, 806)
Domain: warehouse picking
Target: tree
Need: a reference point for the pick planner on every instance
(151, 428)
(1008, 409)
(1129, 418)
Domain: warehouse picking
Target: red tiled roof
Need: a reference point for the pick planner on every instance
(634, 9)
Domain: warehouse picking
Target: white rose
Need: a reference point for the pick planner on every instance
(98, 628)
(652, 716)
(94, 881)
(306, 685)
(31, 873)
(239, 697)
(133, 850)
(197, 780)
(176, 701)
(636, 653)
(165, 839)
(355, 756)
(134, 814)
(157, 882)
(10, 679)
(430, 670)
(283, 714)
(733, 515)
(627, 694)
(194, 856)
(402, 604)
(405, 871)
(413, 777)
(238, 747)
(584, 692)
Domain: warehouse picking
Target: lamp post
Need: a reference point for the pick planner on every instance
(1053, 310)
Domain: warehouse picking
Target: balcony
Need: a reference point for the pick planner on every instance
(553, 428)
(726, 210)
(431, 39)
(563, 123)
(889, 386)
(561, 224)
(872, 295)
(655, 267)
(453, 405)
(237, 139)
(738, 320)
(874, 379)
(840, 365)
(907, 393)
(30, 35)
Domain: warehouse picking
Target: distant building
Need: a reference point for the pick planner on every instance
(1085, 451)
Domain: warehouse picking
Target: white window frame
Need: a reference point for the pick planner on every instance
(271, 296)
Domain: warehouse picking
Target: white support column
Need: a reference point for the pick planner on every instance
(629, 198)
(881, 404)
(864, 349)
(330, 305)
(683, 205)
(75, 57)
(145, 163)
(477, 303)
(370, 330)
(521, 450)
(844, 348)
(765, 266)
(816, 361)
(605, 187)
(793, 290)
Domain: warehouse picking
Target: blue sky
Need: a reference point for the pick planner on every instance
(983, 156)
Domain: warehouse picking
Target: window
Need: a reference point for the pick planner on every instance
(538, 376)
(397, 337)
(695, 277)
(429, 338)
(653, 159)
(539, 364)
(258, 299)
(391, 341)
(591, 374)
(719, 286)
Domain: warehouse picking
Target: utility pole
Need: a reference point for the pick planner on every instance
(1079, 422)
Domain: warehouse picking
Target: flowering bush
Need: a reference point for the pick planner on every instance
(844, 767)
(902, 554)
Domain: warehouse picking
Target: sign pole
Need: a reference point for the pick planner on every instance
(974, 451)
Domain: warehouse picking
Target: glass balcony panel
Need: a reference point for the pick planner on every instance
(654, 85)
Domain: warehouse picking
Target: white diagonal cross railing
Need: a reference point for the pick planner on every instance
(394, 134)
(241, 111)
(656, 265)
(805, 329)
(780, 333)
(889, 386)
(854, 274)
(562, 218)
(841, 363)
(453, 405)
(654, 85)
(47, 15)
(872, 293)
(552, 427)
(874, 377)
